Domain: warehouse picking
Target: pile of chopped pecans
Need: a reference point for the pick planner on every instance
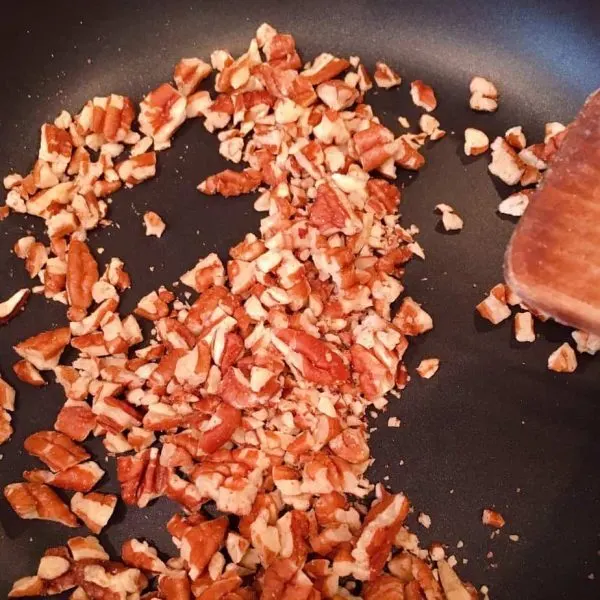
(254, 396)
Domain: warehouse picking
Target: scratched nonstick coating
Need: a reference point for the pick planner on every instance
(494, 427)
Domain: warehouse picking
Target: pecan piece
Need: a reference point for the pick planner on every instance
(38, 501)
(231, 183)
(154, 224)
(11, 307)
(492, 518)
(82, 274)
(76, 420)
(315, 359)
(137, 169)
(189, 72)
(141, 476)
(200, 542)
(27, 373)
(385, 77)
(162, 111)
(79, 478)
(324, 67)
(423, 95)
(55, 449)
(94, 509)
(142, 556)
(563, 359)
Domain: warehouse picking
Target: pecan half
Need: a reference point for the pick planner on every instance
(82, 274)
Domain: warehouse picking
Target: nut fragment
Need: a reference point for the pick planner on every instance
(492, 518)
(428, 367)
(154, 224)
(94, 509)
(38, 501)
(494, 308)
(11, 307)
(27, 373)
(515, 205)
(423, 95)
(484, 95)
(44, 349)
(476, 142)
(385, 77)
(505, 164)
(524, 331)
(563, 359)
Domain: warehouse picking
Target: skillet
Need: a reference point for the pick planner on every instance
(494, 427)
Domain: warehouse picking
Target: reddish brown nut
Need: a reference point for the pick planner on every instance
(492, 518)
(154, 224)
(142, 556)
(476, 142)
(563, 359)
(94, 509)
(175, 585)
(324, 67)
(36, 258)
(55, 449)
(505, 164)
(12, 306)
(27, 587)
(428, 367)
(385, 77)
(27, 373)
(82, 274)
(43, 350)
(162, 111)
(411, 319)
(137, 169)
(38, 501)
(336, 94)
(494, 309)
(231, 183)
(76, 420)
(200, 542)
(189, 72)
(423, 95)
(80, 478)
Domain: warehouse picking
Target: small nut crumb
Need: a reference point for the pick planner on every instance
(404, 122)
(425, 520)
(428, 367)
(513, 538)
(154, 224)
(492, 518)
(393, 422)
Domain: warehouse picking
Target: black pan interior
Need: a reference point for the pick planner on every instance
(494, 427)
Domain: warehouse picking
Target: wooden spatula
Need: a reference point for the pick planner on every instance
(553, 259)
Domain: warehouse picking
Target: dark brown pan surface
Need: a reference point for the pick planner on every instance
(494, 427)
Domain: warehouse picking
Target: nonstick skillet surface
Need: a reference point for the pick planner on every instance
(494, 428)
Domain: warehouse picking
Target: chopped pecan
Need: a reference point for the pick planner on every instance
(55, 449)
(563, 359)
(484, 95)
(200, 542)
(324, 67)
(336, 94)
(476, 142)
(411, 319)
(79, 478)
(505, 164)
(94, 509)
(231, 183)
(27, 373)
(422, 95)
(385, 77)
(38, 501)
(137, 169)
(12, 306)
(209, 271)
(141, 476)
(189, 72)
(492, 518)
(162, 111)
(82, 274)
(428, 367)
(524, 331)
(493, 308)
(142, 556)
(154, 224)
(315, 359)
